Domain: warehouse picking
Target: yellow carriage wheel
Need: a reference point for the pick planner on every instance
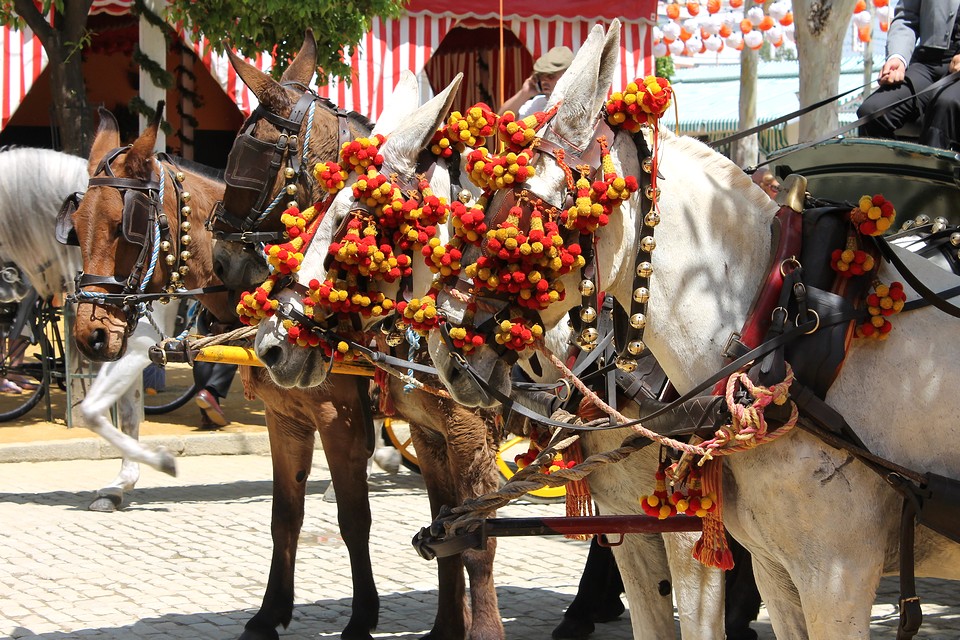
(509, 450)
(398, 432)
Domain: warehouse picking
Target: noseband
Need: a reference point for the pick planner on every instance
(254, 165)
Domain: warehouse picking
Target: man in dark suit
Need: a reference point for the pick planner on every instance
(923, 45)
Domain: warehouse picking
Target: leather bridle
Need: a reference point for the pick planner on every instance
(255, 165)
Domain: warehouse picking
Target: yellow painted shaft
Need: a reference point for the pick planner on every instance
(228, 354)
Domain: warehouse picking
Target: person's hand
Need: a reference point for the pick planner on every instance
(531, 86)
(955, 63)
(894, 71)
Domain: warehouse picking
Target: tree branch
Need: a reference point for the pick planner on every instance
(37, 22)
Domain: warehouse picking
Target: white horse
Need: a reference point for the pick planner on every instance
(822, 527)
(652, 610)
(33, 185)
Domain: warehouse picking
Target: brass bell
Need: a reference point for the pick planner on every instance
(652, 193)
(293, 204)
(652, 219)
(185, 255)
(186, 196)
(648, 244)
(922, 219)
(163, 300)
(180, 176)
(586, 346)
(170, 258)
(165, 245)
(638, 321)
(647, 164)
(185, 226)
(288, 173)
(641, 295)
(636, 347)
(955, 238)
(292, 189)
(385, 329)
(588, 314)
(939, 224)
(184, 270)
(626, 364)
(644, 269)
(590, 334)
(185, 210)
(394, 339)
(587, 287)
(907, 224)
(186, 239)
(174, 277)
(465, 196)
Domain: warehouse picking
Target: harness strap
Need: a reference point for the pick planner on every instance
(928, 295)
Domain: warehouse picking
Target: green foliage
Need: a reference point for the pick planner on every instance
(664, 67)
(253, 26)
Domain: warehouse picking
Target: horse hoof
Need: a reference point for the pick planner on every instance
(108, 500)
(168, 463)
(573, 629)
(260, 634)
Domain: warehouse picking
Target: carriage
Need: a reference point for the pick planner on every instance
(299, 348)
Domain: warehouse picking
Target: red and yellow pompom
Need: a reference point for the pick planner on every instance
(884, 302)
(499, 172)
(257, 305)
(851, 261)
(330, 175)
(873, 215)
(466, 340)
(642, 101)
(658, 504)
(516, 335)
(517, 134)
(420, 313)
(362, 153)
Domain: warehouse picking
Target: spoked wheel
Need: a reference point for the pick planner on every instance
(167, 389)
(397, 432)
(509, 450)
(23, 373)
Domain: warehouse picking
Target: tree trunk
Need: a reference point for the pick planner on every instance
(821, 26)
(746, 150)
(71, 113)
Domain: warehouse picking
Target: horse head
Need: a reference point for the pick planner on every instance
(271, 163)
(408, 131)
(140, 228)
(476, 377)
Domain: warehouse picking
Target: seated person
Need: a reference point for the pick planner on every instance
(765, 179)
(536, 89)
(923, 46)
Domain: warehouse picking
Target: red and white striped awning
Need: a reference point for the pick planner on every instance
(390, 47)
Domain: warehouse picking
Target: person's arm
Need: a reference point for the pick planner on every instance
(904, 31)
(529, 89)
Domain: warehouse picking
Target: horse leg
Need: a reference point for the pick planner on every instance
(452, 619)
(742, 599)
(699, 589)
(347, 451)
(598, 595)
(647, 582)
(291, 450)
(110, 497)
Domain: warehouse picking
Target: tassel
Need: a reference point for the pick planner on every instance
(712, 549)
(382, 379)
(579, 500)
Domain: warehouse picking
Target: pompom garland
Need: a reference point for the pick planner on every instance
(643, 101)
(256, 305)
(517, 134)
(518, 334)
(885, 301)
(499, 172)
(595, 202)
(466, 340)
(873, 215)
(851, 261)
(661, 504)
(286, 257)
(420, 314)
(462, 131)
(330, 175)
(361, 153)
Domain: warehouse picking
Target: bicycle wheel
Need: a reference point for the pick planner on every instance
(169, 389)
(398, 434)
(509, 450)
(23, 369)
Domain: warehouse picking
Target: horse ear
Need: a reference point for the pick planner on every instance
(578, 88)
(609, 63)
(268, 91)
(304, 64)
(402, 102)
(401, 149)
(107, 138)
(136, 162)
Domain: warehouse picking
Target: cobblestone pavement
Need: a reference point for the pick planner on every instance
(188, 559)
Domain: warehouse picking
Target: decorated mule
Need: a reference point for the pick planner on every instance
(684, 256)
(455, 447)
(361, 254)
(34, 185)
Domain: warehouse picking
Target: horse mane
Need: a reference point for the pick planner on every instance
(719, 167)
(211, 173)
(34, 184)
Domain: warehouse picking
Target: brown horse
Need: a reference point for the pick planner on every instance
(456, 447)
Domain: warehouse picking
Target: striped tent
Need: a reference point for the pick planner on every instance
(391, 46)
